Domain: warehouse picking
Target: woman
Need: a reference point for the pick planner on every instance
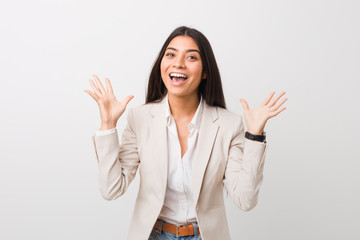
(187, 144)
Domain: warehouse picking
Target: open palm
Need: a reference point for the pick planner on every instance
(110, 108)
(256, 118)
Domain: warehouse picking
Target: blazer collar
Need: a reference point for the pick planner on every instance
(159, 110)
(206, 139)
(195, 121)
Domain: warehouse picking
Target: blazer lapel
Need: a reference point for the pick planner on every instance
(159, 141)
(206, 140)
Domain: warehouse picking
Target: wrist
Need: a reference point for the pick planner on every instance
(255, 132)
(107, 125)
(256, 137)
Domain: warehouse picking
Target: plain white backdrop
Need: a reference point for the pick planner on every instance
(49, 49)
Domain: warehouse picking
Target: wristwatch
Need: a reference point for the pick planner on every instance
(259, 138)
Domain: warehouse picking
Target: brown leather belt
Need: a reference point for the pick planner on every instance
(184, 230)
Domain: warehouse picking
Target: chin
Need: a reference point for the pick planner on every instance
(179, 93)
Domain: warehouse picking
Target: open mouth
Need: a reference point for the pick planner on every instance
(178, 77)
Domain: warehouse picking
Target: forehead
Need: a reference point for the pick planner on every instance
(183, 43)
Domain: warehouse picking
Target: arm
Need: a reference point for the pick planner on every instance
(244, 169)
(117, 163)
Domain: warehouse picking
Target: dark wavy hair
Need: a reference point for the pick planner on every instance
(210, 88)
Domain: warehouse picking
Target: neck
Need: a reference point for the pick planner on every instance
(181, 107)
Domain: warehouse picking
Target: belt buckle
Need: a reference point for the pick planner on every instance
(177, 231)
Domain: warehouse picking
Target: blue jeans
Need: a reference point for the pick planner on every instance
(155, 235)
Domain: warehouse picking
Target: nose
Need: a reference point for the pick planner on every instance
(179, 62)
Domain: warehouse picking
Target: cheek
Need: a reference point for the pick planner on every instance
(163, 67)
(198, 70)
(162, 70)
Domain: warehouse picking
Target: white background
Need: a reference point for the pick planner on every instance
(49, 50)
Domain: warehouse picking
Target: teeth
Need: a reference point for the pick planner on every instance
(178, 75)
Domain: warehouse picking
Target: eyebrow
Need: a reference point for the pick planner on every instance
(189, 50)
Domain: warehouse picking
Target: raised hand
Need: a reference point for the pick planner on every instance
(110, 108)
(256, 118)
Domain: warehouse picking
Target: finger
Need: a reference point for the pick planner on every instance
(94, 87)
(99, 84)
(274, 100)
(108, 86)
(91, 94)
(244, 104)
(266, 101)
(126, 100)
(273, 114)
(279, 104)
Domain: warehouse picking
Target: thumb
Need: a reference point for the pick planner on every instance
(126, 100)
(244, 104)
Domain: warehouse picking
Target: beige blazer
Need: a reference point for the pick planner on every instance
(223, 158)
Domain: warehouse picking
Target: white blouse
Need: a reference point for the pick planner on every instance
(178, 206)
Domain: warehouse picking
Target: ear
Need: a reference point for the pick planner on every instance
(204, 75)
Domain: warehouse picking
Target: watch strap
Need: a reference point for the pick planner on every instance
(259, 138)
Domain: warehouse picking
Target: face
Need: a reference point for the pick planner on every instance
(181, 67)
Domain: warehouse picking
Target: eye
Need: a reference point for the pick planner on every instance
(169, 54)
(193, 57)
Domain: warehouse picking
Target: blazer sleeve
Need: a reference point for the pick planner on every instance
(244, 169)
(117, 164)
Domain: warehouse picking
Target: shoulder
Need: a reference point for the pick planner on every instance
(149, 108)
(141, 109)
(144, 112)
(227, 114)
(228, 121)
